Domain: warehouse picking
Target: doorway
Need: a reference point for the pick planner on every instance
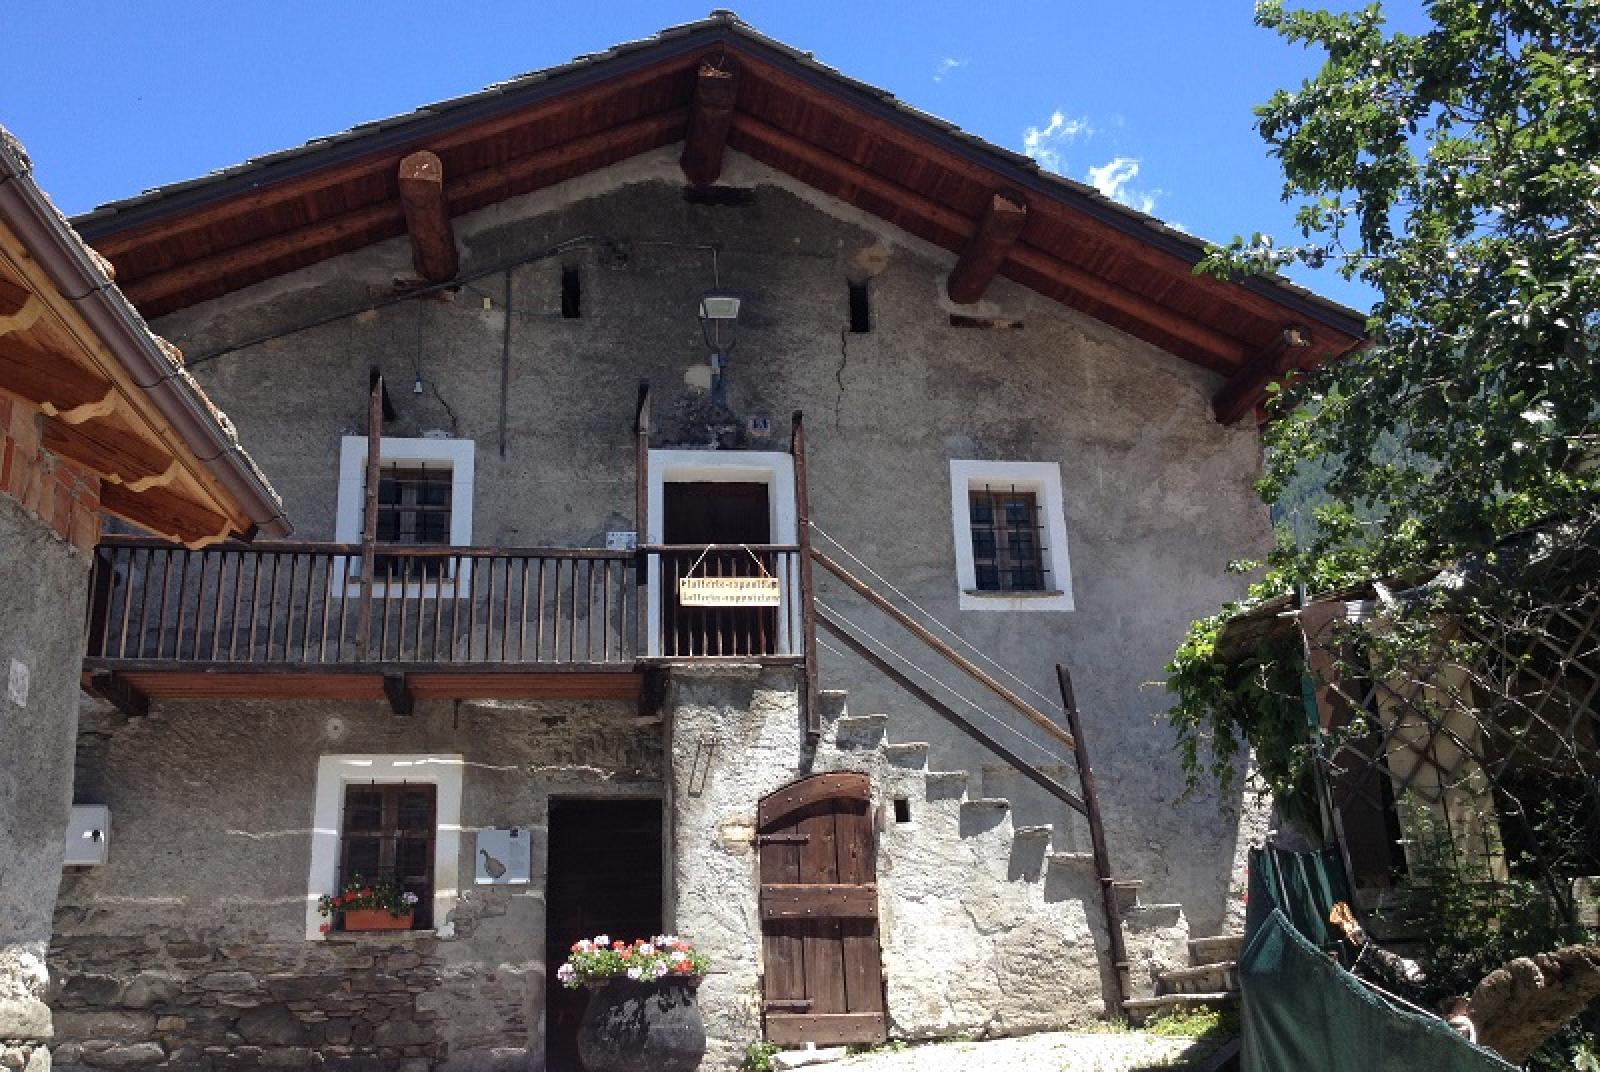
(605, 877)
(700, 513)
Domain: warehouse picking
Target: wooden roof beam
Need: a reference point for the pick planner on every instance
(19, 308)
(166, 511)
(46, 379)
(1245, 390)
(433, 240)
(998, 230)
(116, 453)
(388, 217)
(765, 138)
(716, 87)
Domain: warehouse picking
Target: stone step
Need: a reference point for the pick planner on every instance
(1141, 1009)
(1127, 892)
(946, 784)
(1072, 859)
(1215, 949)
(984, 814)
(1034, 833)
(1220, 977)
(860, 731)
(912, 755)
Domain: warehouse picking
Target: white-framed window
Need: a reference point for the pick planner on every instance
(424, 499)
(335, 776)
(1010, 529)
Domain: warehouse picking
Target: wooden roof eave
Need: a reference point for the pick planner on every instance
(113, 400)
(1075, 215)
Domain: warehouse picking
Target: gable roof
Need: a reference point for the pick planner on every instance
(191, 241)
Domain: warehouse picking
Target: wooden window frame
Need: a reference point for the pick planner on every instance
(1043, 479)
(1010, 555)
(388, 835)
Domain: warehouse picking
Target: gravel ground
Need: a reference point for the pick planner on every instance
(1052, 1052)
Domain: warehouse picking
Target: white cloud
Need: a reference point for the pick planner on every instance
(1114, 179)
(1046, 144)
(946, 65)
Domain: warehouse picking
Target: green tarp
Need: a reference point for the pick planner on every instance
(1302, 1011)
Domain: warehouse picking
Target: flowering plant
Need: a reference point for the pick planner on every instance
(359, 893)
(599, 960)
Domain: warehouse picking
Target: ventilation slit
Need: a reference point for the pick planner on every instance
(860, 310)
(902, 810)
(571, 294)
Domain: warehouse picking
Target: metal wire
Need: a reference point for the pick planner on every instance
(1054, 705)
(869, 639)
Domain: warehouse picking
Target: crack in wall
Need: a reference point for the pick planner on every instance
(838, 373)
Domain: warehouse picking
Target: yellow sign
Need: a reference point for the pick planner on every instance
(728, 592)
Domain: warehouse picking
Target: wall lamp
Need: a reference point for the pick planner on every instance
(719, 320)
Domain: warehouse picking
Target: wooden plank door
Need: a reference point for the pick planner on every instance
(823, 980)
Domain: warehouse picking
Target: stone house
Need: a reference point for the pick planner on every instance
(561, 653)
(94, 418)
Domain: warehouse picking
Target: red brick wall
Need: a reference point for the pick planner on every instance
(63, 495)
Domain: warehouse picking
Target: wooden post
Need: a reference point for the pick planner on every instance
(433, 241)
(369, 516)
(1097, 842)
(716, 87)
(812, 704)
(1249, 386)
(998, 230)
(641, 515)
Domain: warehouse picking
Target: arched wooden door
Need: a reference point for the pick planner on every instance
(823, 980)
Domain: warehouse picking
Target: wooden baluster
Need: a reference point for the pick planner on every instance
(572, 623)
(343, 571)
(505, 612)
(472, 608)
(161, 617)
(216, 616)
(405, 597)
(455, 607)
(272, 604)
(305, 637)
(203, 558)
(538, 620)
(605, 613)
(383, 620)
(522, 620)
(127, 602)
(288, 608)
(327, 608)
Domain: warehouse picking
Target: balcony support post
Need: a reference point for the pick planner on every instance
(812, 706)
(398, 693)
(641, 514)
(115, 690)
(369, 516)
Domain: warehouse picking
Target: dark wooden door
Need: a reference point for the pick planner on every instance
(604, 878)
(823, 979)
(698, 513)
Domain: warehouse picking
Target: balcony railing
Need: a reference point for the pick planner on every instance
(305, 604)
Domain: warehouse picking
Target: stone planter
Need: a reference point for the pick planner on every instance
(376, 919)
(642, 1027)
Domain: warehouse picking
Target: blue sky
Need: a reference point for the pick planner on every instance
(1149, 99)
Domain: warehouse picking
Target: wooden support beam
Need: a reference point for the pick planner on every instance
(388, 217)
(398, 693)
(119, 694)
(163, 510)
(19, 307)
(716, 87)
(948, 227)
(1001, 226)
(1248, 387)
(433, 240)
(45, 378)
(369, 509)
(118, 454)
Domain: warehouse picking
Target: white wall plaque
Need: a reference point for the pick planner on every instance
(504, 857)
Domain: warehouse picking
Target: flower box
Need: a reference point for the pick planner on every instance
(376, 919)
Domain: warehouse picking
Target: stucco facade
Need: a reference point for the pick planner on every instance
(1156, 499)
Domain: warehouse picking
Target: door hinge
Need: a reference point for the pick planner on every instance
(784, 839)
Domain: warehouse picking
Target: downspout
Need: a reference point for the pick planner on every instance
(70, 266)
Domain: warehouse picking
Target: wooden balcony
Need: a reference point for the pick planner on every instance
(297, 620)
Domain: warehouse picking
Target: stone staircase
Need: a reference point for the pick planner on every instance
(1017, 908)
(1211, 980)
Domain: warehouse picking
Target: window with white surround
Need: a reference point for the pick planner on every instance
(1010, 531)
(424, 498)
(336, 775)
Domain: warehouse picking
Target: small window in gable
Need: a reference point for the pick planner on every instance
(1010, 535)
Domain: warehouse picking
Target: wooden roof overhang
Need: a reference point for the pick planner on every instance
(115, 398)
(709, 84)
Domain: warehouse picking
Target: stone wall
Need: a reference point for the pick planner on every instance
(356, 1001)
(1158, 496)
(43, 585)
(188, 948)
